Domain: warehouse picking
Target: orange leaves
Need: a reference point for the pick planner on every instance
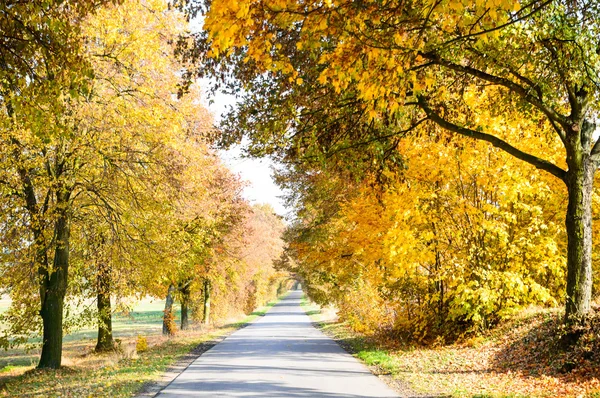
(453, 232)
(356, 47)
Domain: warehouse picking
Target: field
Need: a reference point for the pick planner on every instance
(116, 374)
(145, 319)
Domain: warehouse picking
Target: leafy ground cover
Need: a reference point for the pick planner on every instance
(527, 356)
(117, 374)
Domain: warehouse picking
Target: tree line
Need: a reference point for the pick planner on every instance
(441, 154)
(110, 186)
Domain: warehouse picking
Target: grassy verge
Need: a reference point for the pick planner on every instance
(145, 319)
(366, 349)
(115, 374)
(520, 358)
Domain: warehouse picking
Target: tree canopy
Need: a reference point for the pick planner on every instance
(342, 83)
(109, 185)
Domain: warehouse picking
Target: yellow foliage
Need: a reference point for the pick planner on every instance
(466, 237)
(141, 344)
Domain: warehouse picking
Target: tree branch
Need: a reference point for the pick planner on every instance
(495, 141)
(501, 26)
(512, 86)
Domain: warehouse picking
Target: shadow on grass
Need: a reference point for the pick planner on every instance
(66, 382)
(134, 323)
(108, 374)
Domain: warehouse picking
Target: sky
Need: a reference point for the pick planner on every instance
(256, 173)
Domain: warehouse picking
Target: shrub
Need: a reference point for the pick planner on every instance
(141, 344)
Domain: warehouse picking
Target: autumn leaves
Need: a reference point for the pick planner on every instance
(109, 188)
(372, 104)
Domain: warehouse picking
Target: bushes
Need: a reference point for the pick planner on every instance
(141, 344)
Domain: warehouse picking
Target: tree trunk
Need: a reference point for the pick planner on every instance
(580, 180)
(53, 286)
(206, 317)
(185, 300)
(105, 336)
(168, 322)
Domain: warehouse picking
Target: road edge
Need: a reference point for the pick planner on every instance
(152, 389)
(401, 387)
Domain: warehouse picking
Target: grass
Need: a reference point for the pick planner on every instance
(362, 347)
(139, 321)
(520, 358)
(145, 319)
(115, 374)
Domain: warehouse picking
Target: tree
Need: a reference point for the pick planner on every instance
(329, 76)
(88, 117)
(130, 61)
(42, 63)
(462, 238)
(263, 245)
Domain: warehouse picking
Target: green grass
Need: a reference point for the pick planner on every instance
(145, 319)
(113, 374)
(136, 322)
(263, 310)
(363, 348)
(117, 376)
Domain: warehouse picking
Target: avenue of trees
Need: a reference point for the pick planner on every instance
(439, 155)
(411, 132)
(109, 188)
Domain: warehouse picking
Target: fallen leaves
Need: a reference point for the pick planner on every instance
(522, 357)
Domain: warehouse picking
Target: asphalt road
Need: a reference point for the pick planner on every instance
(279, 355)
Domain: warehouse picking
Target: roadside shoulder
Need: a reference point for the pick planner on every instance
(354, 344)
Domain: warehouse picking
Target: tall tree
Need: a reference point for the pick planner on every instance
(90, 116)
(42, 64)
(325, 76)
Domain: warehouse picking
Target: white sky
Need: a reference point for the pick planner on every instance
(256, 173)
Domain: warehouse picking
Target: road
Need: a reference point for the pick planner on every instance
(279, 355)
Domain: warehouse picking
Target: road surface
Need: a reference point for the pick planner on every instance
(280, 355)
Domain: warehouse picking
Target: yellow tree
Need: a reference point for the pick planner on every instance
(448, 245)
(69, 140)
(136, 81)
(207, 209)
(42, 66)
(262, 247)
(333, 75)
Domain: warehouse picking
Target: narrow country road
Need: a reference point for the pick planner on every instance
(279, 355)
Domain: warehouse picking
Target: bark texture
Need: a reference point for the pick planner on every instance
(185, 306)
(578, 222)
(206, 316)
(53, 286)
(168, 313)
(105, 336)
